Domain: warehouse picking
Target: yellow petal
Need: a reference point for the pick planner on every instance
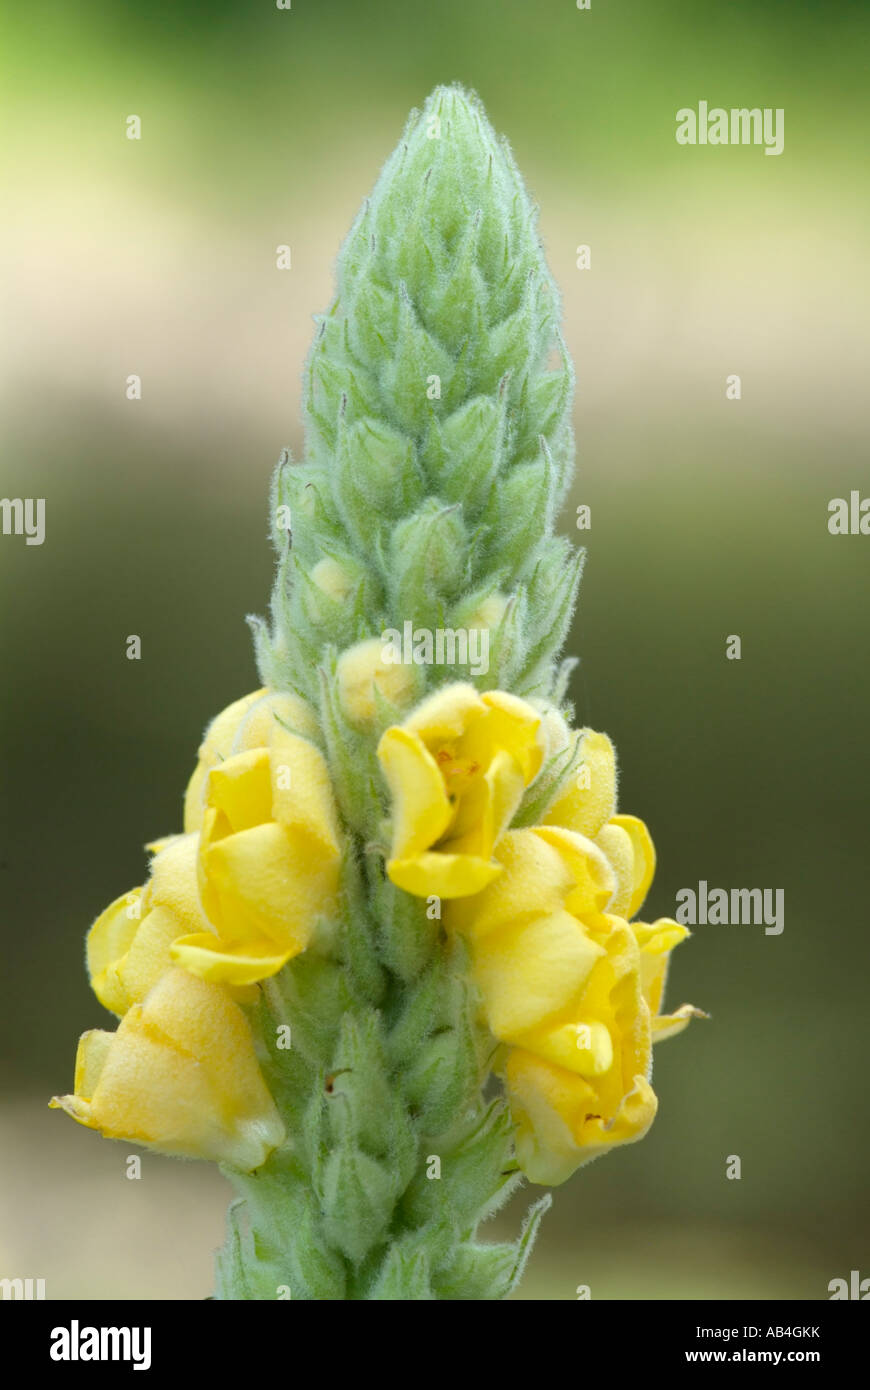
(173, 881)
(442, 875)
(194, 797)
(241, 788)
(590, 800)
(656, 943)
(669, 1025)
(128, 945)
(301, 789)
(270, 713)
(108, 941)
(445, 715)
(504, 781)
(487, 808)
(514, 725)
(149, 955)
(567, 1115)
(644, 859)
(616, 845)
(531, 970)
(421, 809)
(91, 1054)
(269, 883)
(536, 878)
(216, 746)
(583, 1046)
(243, 963)
(594, 882)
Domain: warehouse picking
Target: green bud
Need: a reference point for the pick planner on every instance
(552, 593)
(414, 380)
(422, 1014)
(464, 453)
(302, 510)
(491, 1271)
(477, 1272)
(356, 776)
(429, 562)
(275, 1247)
(357, 1194)
(375, 478)
(359, 1087)
(518, 515)
(404, 1275)
(362, 967)
(408, 934)
(309, 996)
(477, 1173)
(443, 1075)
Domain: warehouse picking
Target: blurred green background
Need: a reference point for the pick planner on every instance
(709, 518)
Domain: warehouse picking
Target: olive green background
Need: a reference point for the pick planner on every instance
(709, 518)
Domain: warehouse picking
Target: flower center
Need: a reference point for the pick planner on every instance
(458, 773)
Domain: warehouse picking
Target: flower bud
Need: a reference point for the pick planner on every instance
(429, 557)
(362, 671)
(336, 579)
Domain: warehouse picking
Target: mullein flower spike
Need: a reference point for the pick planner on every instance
(399, 872)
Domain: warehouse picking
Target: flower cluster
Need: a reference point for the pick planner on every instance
(227, 904)
(569, 984)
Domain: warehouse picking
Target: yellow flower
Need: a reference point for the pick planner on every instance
(242, 725)
(571, 988)
(269, 844)
(180, 1075)
(584, 1088)
(456, 770)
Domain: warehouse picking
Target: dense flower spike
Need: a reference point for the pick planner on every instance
(401, 868)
